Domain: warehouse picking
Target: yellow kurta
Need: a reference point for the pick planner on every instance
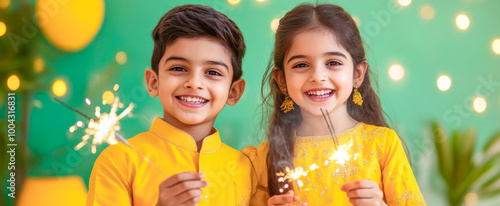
(376, 154)
(121, 177)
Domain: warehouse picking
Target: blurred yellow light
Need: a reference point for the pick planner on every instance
(471, 199)
(38, 65)
(116, 87)
(59, 88)
(13, 82)
(274, 24)
(261, 0)
(108, 97)
(356, 20)
(404, 2)
(121, 57)
(444, 83)
(396, 72)
(462, 22)
(233, 2)
(3, 28)
(479, 104)
(4, 4)
(496, 46)
(427, 12)
(38, 104)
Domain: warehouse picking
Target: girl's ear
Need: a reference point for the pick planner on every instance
(151, 82)
(236, 91)
(359, 72)
(279, 77)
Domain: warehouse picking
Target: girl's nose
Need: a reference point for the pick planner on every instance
(318, 74)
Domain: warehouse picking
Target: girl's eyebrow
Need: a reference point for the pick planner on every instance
(333, 53)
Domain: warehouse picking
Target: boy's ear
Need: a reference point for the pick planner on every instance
(359, 73)
(279, 77)
(236, 91)
(151, 82)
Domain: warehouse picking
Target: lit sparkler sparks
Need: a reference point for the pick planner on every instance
(341, 156)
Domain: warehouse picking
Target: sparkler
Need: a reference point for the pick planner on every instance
(105, 128)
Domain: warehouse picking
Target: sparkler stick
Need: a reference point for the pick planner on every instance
(330, 127)
(116, 134)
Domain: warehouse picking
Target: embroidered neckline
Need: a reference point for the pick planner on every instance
(343, 134)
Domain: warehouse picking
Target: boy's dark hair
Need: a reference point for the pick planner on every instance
(193, 21)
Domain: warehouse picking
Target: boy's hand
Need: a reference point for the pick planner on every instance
(285, 199)
(181, 189)
(364, 193)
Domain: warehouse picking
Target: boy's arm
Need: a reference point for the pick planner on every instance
(109, 182)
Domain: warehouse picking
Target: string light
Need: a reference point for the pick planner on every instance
(396, 72)
(274, 24)
(233, 2)
(479, 104)
(495, 45)
(3, 28)
(59, 88)
(462, 22)
(121, 58)
(427, 12)
(444, 83)
(13, 82)
(404, 3)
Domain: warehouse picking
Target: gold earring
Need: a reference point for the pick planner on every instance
(356, 97)
(287, 105)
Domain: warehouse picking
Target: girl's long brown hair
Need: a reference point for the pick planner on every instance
(281, 125)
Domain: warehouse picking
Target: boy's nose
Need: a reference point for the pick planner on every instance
(193, 83)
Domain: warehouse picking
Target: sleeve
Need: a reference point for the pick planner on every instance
(258, 156)
(400, 186)
(109, 183)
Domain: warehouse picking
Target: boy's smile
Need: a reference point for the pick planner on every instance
(194, 81)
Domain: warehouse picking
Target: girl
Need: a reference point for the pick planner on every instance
(320, 66)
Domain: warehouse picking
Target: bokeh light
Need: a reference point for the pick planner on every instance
(396, 72)
(274, 24)
(404, 3)
(116, 87)
(59, 88)
(462, 22)
(471, 199)
(495, 45)
(427, 12)
(479, 104)
(13, 82)
(38, 65)
(108, 97)
(444, 83)
(3, 28)
(233, 2)
(121, 58)
(356, 20)
(4, 4)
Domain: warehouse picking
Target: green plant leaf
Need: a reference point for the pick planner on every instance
(444, 153)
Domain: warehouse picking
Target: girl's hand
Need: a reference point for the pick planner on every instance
(364, 193)
(181, 189)
(285, 199)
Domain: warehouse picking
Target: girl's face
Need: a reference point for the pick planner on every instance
(319, 72)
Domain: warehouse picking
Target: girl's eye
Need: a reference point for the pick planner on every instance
(300, 65)
(213, 72)
(334, 63)
(178, 69)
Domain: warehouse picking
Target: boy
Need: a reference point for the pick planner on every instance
(196, 70)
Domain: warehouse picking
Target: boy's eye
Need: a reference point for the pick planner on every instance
(213, 72)
(300, 65)
(334, 63)
(179, 69)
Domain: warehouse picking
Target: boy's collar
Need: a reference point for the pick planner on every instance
(182, 139)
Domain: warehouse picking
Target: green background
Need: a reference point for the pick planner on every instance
(425, 48)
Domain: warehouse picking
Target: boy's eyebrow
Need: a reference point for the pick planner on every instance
(217, 63)
(326, 54)
(176, 58)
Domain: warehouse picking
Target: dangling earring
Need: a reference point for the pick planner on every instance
(287, 105)
(356, 97)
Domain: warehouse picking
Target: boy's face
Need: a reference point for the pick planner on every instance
(194, 81)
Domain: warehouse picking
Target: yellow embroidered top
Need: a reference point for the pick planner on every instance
(122, 177)
(376, 154)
